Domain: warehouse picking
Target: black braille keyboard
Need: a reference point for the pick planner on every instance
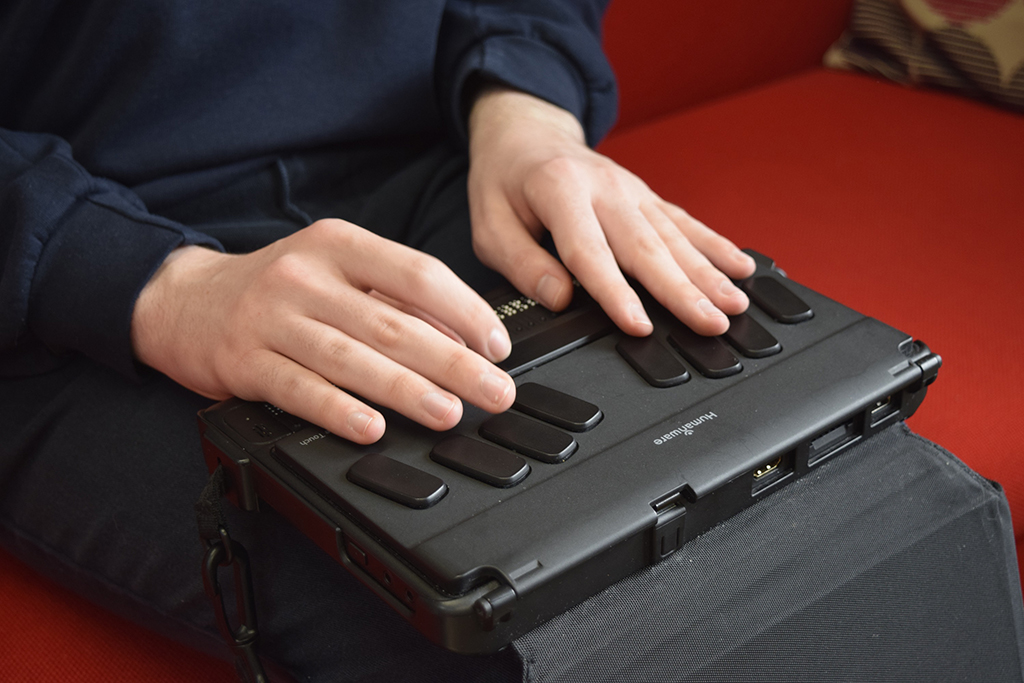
(616, 451)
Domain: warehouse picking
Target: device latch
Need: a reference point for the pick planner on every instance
(667, 535)
(246, 487)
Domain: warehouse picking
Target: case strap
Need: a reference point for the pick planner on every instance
(223, 551)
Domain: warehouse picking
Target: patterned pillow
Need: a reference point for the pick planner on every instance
(975, 47)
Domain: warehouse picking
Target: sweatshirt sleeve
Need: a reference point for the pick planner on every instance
(548, 48)
(75, 251)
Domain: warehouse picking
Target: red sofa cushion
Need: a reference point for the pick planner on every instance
(907, 205)
(49, 634)
(672, 54)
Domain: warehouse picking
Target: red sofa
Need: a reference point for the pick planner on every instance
(907, 205)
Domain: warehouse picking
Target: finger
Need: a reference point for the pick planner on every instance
(304, 393)
(644, 255)
(725, 255)
(566, 209)
(711, 281)
(349, 363)
(410, 276)
(360, 329)
(504, 243)
(421, 314)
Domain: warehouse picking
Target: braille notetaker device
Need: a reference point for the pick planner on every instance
(617, 451)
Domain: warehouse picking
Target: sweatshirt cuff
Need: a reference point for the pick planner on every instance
(538, 69)
(90, 274)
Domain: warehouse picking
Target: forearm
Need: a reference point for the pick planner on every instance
(76, 250)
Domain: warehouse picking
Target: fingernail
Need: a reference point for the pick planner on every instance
(708, 308)
(498, 345)
(727, 288)
(548, 290)
(437, 406)
(745, 259)
(639, 315)
(494, 388)
(360, 423)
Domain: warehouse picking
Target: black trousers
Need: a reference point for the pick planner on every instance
(894, 562)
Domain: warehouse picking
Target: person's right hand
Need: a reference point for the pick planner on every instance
(331, 306)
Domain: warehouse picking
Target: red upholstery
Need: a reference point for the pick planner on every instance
(671, 54)
(906, 205)
(49, 635)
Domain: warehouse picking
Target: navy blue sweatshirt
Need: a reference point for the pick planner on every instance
(100, 97)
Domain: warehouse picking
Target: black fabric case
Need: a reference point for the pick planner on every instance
(892, 563)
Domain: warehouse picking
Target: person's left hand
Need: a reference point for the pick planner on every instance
(530, 171)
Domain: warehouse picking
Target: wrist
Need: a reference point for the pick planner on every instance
(158, 311)
(500, 111)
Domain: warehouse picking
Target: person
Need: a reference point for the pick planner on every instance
(295, 203)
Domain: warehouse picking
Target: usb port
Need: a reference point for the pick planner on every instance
(832, 442)
(883, 410)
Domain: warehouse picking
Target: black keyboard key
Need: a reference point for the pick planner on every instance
(652, 361)
(529, 437)
(489, 464)
(708, 355)
(750, 338)
(776, 300)
(556, 408)
(401, 483)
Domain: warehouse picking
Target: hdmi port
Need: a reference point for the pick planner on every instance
(771, 472)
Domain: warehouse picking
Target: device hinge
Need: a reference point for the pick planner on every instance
(929, 365)
(495, 607)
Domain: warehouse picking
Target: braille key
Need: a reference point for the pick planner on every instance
(776, 300)
(750, 338)
(401, 483)
(652, 361)
(529, 437)
(556, 408)
(489, 464)
(708, 355)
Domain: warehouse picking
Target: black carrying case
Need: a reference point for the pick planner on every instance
(892, 563)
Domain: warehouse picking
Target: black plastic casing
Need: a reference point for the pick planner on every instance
(485, 565)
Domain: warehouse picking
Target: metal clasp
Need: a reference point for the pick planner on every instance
(227, 552)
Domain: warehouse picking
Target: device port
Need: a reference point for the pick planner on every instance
(771, 472)
(832, 441)
(883, 410)
(767, 468)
